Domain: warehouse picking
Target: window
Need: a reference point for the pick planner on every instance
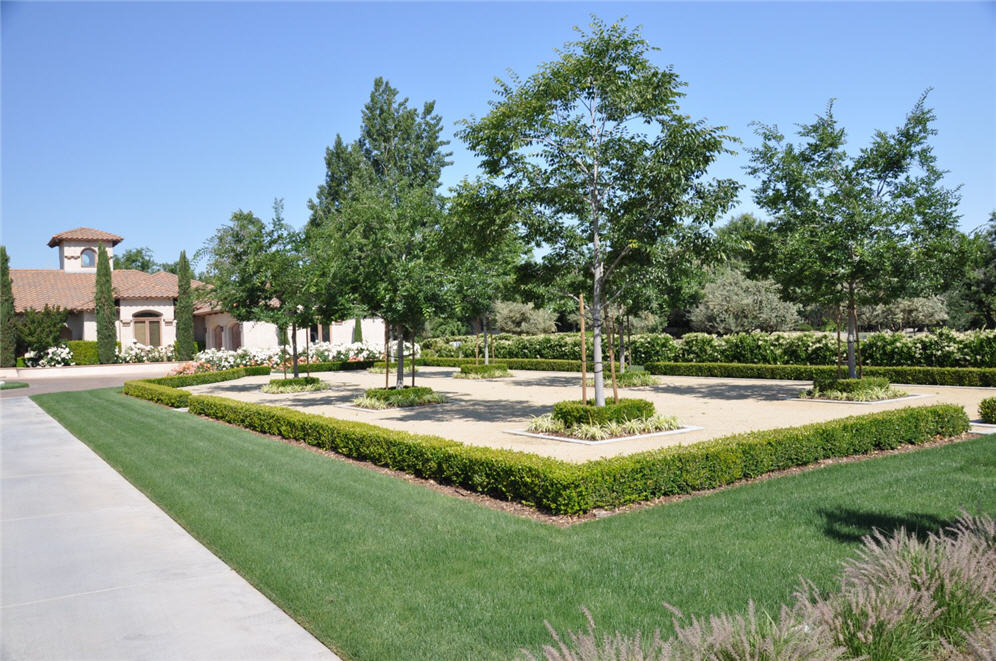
(148, 328)
(235, 332)
(88, 259)
(219, 337)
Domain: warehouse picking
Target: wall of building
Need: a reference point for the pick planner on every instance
(162, 306)
(70, 253)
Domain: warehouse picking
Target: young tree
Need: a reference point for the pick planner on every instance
(107, 314)
(8, 333)
(184, 311)
(375, 218)
(861, 229)
(596, 143)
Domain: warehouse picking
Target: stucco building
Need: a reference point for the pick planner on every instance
(145, 302)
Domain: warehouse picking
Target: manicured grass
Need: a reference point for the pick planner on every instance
(10, 385)
(378, 568)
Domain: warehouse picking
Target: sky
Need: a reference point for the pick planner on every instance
(156, 121)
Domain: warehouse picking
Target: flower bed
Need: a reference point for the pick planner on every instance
(301, 384)
(389, 398)
(866, 389)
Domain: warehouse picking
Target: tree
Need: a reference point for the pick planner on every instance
(139, 259)
(107, 314)
(596, 143)
(523, 318)
(184, 311)
(37, 330)
(8, 329)
(971, 300)
(862, 229)
(357, 330)
(919, 312)
(375, 220)
(733, 303)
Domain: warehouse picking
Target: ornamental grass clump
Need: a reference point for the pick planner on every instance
(491, 371)
(302, 384)
(865, 389)
(384, 398)
(901, 598)
(628, 417)
(632, 379)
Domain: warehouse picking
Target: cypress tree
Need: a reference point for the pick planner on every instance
(8, 335)
(106, 314)
(357, 330)
(184, 311)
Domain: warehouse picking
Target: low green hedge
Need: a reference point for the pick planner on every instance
(184, 380)
(942, 376)
(987, 410)
(335, 366)
(493, 368)
(84, 352)
(573, 413)
(540, 364)
(394, 395)
(300, 381)
(561, 487)
(825, 383)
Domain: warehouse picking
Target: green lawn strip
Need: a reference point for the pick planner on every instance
(10, 385)
(378, 568)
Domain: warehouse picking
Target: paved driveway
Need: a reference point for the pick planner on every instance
(91, 569)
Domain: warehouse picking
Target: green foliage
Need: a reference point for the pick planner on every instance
(12, 385)
(301, 384)
(184, 313)
(139, 259)
(632, 378)
(490, 371)
(408, 396)
(596, 146)
(940, 376)
(8, 328)
(539, 364)
(828, 382)
(37, 330)
(523, 318)
(357, 330)
(341, 366)
(987, 410)
(732, 303)
(300, 381)
(563, 488)
(107, 314)
(575, 414)
(201, 378)
(84, 352)
(971, 300)
(159, 393)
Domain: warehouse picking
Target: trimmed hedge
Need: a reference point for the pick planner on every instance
(987, 410)
(941, 376)
(824, 383)
(84, 352)
(300, 381)
(573, 413)
(493, 368)
(184, 380)
(336, 366)
(395, 395)
(561, 487)
(540, 364)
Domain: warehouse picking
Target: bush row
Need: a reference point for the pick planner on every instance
(158, 393)
(940, 376)
(484, 370)
(826, 382)
(560, 487)
(299, 381)
(942, 348)
(200, 378)
(540, 364)
(335, 366)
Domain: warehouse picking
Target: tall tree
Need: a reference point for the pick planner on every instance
(107, 314)
(374, 219)
(857, 229)
(596, 141)
(8, 334)
(184, 311)
(139, 259)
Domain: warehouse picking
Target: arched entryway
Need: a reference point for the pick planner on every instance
(219, 337)
(235, 336)
(148, 328)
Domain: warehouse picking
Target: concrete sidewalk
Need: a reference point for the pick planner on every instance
(91, 569)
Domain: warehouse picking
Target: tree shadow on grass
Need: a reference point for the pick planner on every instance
(850, 525)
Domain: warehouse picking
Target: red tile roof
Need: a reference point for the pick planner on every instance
(36, 288)
(85, 234)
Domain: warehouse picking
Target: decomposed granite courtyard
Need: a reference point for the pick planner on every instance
(484, 412)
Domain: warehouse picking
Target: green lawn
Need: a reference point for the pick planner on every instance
(381, 569)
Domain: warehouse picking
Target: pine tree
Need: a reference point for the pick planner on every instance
(357, 330)
(184, 311)
(8, 336)
(106, 313)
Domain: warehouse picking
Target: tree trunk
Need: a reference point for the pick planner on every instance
(484, 322)
(852, 336)
(387, 355)
(401, 359)
(840, 359)
(413, 360)
(307, 352)
(612, 366)
(596, 331)
(622, 348)
(294, 348)
(857, 344)
(584, 356)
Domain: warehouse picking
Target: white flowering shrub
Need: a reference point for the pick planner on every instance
(142, 353)
(224, 359)
(56, 356)
(322, 352)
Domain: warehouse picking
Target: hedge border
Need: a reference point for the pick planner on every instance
(934, 376)
(560, 487)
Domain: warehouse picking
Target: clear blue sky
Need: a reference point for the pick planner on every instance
(157, 120)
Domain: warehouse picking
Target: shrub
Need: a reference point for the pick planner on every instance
(987, 410)
(185, 347)
(158, 393)
(491, 371)
(38, 330)
(523, 318)
(629, 379)
(56, 356)
(84, 352)
(547, 424)
(942, 376)
(300, 381)
(301, 384)
(733, 303)
(105, 309)
(573, 414)
(831, 382)
(401, 397)
(201, 378)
